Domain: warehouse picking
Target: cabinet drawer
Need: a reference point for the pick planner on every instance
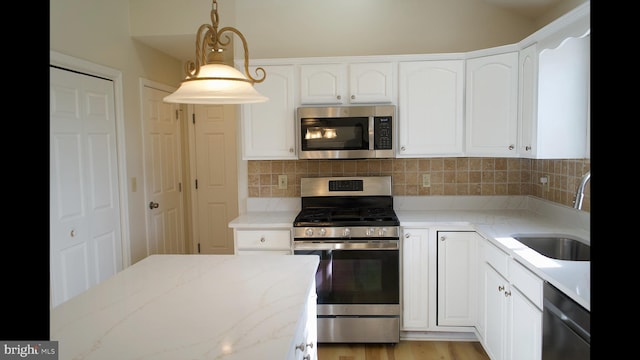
(263, 239)
(496, 258)
(264, 252)
(527, 282)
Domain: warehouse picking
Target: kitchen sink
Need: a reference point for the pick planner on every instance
(560, 247)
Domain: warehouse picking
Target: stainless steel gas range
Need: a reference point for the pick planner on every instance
(349, 222)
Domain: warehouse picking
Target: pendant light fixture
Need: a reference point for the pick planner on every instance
(209, 80)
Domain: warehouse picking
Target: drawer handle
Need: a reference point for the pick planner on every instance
(262, 239)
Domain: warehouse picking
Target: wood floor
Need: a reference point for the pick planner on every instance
(405, 350)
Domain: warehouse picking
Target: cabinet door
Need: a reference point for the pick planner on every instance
(495, 313)
(457, 269)
(563, 99)
(323, 84)
(430, 108)
(268, 129)
(528, 100)
(371, 83)
(525, 319)
(415, 279)
(492, 105)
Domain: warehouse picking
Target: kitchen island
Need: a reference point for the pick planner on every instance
(191, 307)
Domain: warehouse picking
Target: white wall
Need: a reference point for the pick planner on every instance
(98, 31)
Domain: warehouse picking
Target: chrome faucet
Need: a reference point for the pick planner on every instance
(577, 203)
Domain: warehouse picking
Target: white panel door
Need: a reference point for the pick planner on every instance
(163, 174)
(85, 229)
(216, 196)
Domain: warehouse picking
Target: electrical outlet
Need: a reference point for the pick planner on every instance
(426, 180)
(282, 182)
(544, 180)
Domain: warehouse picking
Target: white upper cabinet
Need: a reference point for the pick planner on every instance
(554, 90)
(492, 105)
(371, 82)
(554, 100)
(268, 128)
(430, 108)
(340, 83)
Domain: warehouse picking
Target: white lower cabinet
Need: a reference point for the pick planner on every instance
(305, 343)
(457, 274)
(439, 280)
(262, 241)
(512, 308)
(415, 279)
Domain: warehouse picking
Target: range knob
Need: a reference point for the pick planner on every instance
(370, 232)
(308, 232)
(382, 231)
(346, 232)
(322, 231)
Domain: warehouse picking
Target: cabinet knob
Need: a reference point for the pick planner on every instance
(73, 233)
(500, 287)
(339, 97)
(402, 148)
(507, 293)
(527, 148)
(407, 235)
(262, 239)
(511, 147)
(442, 238)
(291, 150)
(353, 97)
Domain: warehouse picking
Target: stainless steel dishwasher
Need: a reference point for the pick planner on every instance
(566, 327)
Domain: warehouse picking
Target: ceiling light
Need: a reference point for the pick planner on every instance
(209, 80)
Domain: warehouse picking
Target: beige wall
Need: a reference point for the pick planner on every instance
(98, 31)
(294, 28)
(449, 176)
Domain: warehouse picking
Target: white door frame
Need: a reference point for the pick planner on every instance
(83, 66)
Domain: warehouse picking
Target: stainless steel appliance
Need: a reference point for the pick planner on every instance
(346, 132)
(349, 222)
(566, 327)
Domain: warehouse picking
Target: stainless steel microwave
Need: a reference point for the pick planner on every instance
(346, 132)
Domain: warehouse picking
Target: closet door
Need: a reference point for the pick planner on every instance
(85, 234)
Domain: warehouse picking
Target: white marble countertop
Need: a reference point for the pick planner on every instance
(189, 307)
(497, 218)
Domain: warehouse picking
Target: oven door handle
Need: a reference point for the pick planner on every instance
(350, 245)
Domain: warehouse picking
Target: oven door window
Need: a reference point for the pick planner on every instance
(357, 276)
(335, 134)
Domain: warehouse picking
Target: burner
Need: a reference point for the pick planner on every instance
(347, 203)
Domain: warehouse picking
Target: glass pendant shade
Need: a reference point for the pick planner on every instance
(216, 84)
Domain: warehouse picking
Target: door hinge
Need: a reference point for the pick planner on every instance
(179, 187)
(177, 116)
(193, 118)
(196, 184)
(198, 248)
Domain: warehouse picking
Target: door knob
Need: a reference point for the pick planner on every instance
(153, 205)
